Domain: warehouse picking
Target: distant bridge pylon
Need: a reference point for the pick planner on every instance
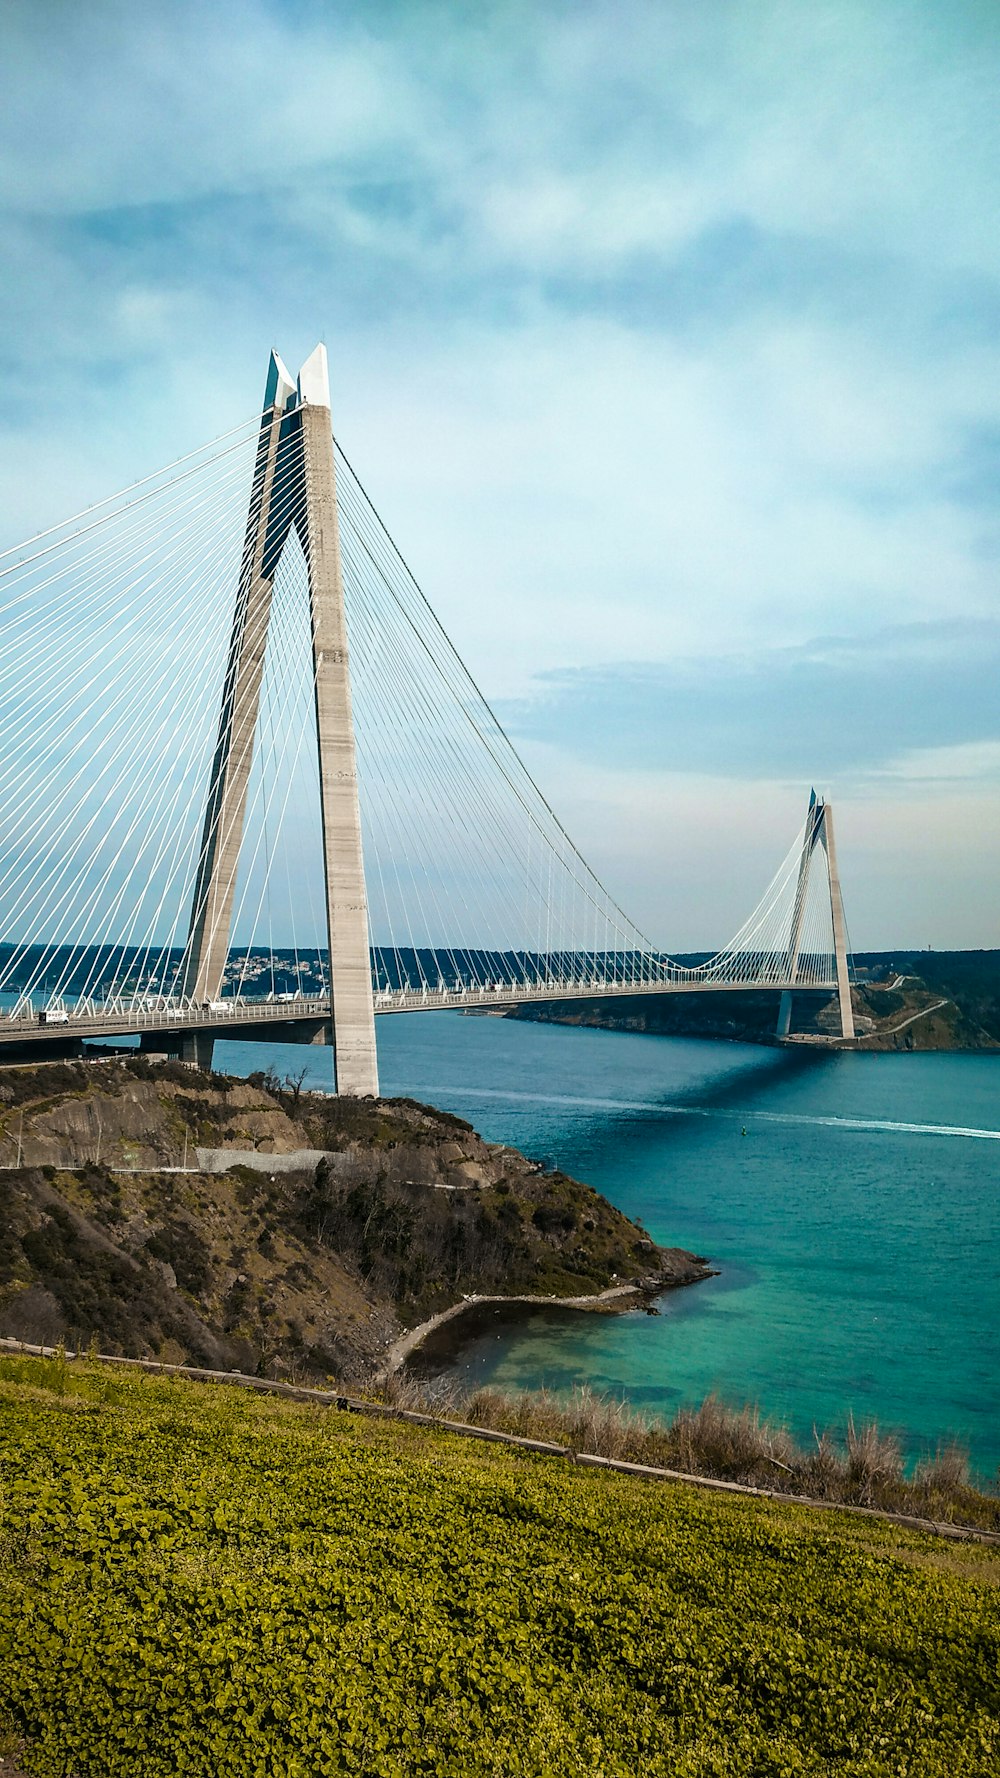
(254, 792)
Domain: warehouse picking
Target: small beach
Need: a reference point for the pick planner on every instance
(437, 1343)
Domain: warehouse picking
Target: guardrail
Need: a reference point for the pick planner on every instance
(173, 1018)
(433, 999)
(118, 1019)
(336, 1400)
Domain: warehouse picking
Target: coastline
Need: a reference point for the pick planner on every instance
(607, 1302)
(904, 1001)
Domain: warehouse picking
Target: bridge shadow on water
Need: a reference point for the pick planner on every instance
(731, 1090)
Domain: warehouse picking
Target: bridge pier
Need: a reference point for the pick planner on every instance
(198, 1047)
(844, 1001)
(819, 831)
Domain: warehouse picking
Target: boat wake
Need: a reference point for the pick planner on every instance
(663, 1108)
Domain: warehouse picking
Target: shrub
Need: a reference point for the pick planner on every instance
(874, 1460)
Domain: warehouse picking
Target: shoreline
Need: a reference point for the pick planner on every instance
(618, 1296)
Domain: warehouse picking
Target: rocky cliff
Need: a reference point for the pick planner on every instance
(245, 1224)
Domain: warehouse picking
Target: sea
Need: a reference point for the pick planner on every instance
(850, 1204)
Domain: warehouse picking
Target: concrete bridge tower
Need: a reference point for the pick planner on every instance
(294, 487)
(819, 831)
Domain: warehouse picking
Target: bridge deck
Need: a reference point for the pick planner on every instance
(282, 1020)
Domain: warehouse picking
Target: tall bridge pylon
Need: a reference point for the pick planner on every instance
(294, 488)
(251, 790)
(818, 830)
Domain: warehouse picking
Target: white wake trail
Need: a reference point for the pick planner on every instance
(889, 1126)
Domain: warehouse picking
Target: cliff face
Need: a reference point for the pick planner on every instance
(335, 1224)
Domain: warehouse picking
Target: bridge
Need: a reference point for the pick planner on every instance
(237, 746)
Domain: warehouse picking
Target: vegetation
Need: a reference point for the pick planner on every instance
(864, 1468)
(110, 1228)
(424, 1249)
(967, 982)
(969, 979)
(196, 1581)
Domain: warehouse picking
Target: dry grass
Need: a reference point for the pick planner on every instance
(732, 1444)
(946, 1471)
(874, 1462)
(584, 1422)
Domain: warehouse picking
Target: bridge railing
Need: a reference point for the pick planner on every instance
(166, 1016)
(121, 1015)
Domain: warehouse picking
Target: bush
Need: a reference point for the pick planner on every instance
(874, 1461)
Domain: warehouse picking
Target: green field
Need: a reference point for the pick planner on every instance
(202, 1582)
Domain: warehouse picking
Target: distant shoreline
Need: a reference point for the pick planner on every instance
(904, 1001)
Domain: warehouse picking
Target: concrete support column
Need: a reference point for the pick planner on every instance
(212, 908)
(810, 836)
(198, 1047)
(294, 487)
(353, 1008)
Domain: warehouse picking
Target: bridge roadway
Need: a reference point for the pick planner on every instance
(306, 1019)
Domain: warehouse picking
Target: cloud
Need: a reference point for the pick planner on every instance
(916, 703)
(118, 108)
(968, 763)
(664, 337)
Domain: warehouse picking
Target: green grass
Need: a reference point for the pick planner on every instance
(198, 1581)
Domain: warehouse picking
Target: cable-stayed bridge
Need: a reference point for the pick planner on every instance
(233, 731)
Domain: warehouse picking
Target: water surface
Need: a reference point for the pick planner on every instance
(849, 1201)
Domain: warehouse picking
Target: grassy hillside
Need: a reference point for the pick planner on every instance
(194, 1581)
(968, 980)
(312, 1268)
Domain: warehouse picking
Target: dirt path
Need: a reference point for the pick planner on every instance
(890, 1030)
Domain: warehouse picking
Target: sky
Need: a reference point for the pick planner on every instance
(664, 338)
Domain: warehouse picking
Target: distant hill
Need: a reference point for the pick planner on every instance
(969, 979)
(903, 1000)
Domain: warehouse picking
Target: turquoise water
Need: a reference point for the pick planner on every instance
(855, 1223)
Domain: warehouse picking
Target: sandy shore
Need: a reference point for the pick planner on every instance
(408, 1343)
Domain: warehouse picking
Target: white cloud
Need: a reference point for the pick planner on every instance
(926, 769)
(565, 139)
(689, 855)
(122, 106)
(578, 476)
(618, 498)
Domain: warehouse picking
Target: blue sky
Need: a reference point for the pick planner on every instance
(665, 338)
